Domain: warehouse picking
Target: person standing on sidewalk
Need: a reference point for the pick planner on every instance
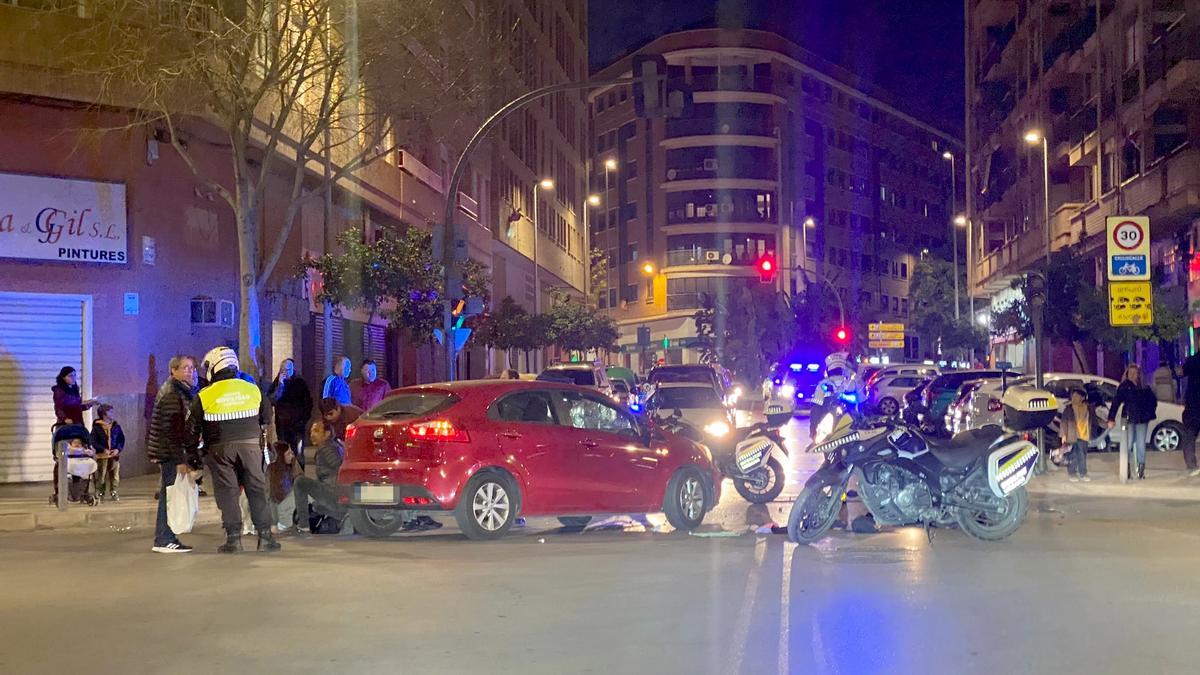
(293, 405)
(229, 416)
(166, 444)
(108, 441)
(335, 385)
(1139, 405)
(1191, 411)
(1080, 427)
(68, 403)
(371, 389)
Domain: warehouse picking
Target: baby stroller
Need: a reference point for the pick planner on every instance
(71, 442)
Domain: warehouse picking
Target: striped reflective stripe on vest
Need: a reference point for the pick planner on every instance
(230, 400)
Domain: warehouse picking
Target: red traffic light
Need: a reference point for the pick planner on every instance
(841, 335)
(766, 269)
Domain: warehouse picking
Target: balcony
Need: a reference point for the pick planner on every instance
(996, 270)
(1071, 39)
(713, 172)
(730, 82)
(1181, 43)
(712, 259)
(683, 301)
(715, 127)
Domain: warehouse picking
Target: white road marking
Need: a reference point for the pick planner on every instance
(741, 629)
(789, 549)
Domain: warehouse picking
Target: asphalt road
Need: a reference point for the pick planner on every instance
(1088, 585)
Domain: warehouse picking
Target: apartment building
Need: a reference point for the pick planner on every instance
(1111, 85)
(784, 155)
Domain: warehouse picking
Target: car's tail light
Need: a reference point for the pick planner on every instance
(350, 433)
(417, 501)
(438, 430)
(994, 405)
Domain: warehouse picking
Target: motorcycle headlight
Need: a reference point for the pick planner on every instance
(787, 390)
(717, 428)
(824, 428)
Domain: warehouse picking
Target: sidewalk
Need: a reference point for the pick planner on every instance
(1166, 479)
(25, 507)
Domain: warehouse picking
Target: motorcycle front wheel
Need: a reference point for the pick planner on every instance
(767, 485)
(814, 512)
(994, 525)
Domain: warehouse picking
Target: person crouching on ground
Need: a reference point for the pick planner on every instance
(323, 489)
(339, 416)
(108, 441)
(1080, 429)
(281, 477)
(229, 416)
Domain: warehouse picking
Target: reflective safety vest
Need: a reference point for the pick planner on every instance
(232, 399)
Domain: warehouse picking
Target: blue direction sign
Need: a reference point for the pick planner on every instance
(1128, 267)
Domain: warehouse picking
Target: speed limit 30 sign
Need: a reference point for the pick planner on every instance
(1128, 245)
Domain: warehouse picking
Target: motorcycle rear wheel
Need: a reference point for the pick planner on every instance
(771, 489)
(996, 525)
(813, 513)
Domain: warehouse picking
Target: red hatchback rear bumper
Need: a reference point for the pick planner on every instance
(398, 484)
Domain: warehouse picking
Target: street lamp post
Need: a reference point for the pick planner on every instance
(543, 184)
(947, 155)
(610, 165)
(808, 222)
(1035, 138)
(592, 200)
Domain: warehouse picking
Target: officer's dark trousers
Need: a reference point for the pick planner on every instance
(239, 464)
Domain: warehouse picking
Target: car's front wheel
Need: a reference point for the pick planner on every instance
(1167, 436)
(687, 500)
(376, 523)
(488, 506)
(888, 406)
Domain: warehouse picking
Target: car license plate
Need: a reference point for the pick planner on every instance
(375, 494)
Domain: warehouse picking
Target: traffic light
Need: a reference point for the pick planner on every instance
(767, 268)
(1035, 290)
(653, 94)
(841, 335)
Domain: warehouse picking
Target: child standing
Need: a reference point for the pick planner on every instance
(1080, 428)
(108, 441)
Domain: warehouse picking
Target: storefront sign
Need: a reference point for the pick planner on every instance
(43, 218)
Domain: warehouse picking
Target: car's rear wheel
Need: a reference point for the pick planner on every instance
(575, 522)
(1167, 436)
(888, 406)
(488, 507)
(763, 485)
(687, 499)
(376, 523)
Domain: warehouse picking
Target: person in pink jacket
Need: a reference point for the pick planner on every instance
(371, 389)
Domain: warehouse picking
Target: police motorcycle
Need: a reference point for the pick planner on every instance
(975, 480)
(750, 456)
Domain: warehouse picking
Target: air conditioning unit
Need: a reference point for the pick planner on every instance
(710, 164)
(672, 173)
(712, 256)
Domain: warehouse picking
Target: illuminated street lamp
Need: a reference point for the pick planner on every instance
(960, 220)
(610, 164)
(586, 248)
(543, 184)
(982, 319)
(949, 156)
(648, 268)
(1034, 137)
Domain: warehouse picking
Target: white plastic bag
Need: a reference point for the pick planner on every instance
(183, 504)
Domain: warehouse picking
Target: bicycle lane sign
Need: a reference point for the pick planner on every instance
(1128, 247)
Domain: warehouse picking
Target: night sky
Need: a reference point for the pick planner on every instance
(911, 48)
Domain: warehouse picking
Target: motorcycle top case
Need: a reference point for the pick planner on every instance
(1010, 465)
(1027, 408)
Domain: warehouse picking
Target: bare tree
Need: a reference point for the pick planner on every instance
(300, 94)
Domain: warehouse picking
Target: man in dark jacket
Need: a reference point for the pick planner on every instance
(293, 405)
(323, 491)
(166, 444)
(1191, 411)
(229, 416)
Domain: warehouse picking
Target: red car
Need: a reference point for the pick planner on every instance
(493, 450)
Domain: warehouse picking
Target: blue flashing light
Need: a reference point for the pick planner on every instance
(799, 394)
(850, 397)
(635, 407)
(814, 367)
(796, 367)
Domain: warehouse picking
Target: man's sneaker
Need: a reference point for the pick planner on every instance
(1194, 473)
(1086, 479)
(426, 523)
(1073, 479)
(173, 547)
(114, 496)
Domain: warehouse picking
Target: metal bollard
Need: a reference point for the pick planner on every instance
(1123, 431)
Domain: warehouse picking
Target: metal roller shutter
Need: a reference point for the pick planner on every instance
(375, 347)
(39, 334)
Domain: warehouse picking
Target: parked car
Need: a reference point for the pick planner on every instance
(798, 382)
(489, 451)
(717, 378)
(943, 390)
(887, 392)
(956, 412)
(1166, 431)
(582, 374)
(699, 404)
(921, 370)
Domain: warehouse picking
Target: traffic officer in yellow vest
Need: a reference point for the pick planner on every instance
(229, 416)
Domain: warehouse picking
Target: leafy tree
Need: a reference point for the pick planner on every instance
(598, 270)
(746, 330)
(504, 328)
(931, 299)
(282, 87)
(574, 326)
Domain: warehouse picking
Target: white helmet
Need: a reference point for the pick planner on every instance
(218, 359)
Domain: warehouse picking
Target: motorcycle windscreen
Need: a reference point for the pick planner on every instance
(1011, 466)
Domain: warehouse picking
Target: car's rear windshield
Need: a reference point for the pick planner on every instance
(686, 397)
(411, 404)
(581, 376)
(684, 375)
(955, 380)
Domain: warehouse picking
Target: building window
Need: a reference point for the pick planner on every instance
(903, 270)
(612, 298)
(895, 305)
(904, 305)
(631, 292)
(631, 169)
(883, 302)
(650, 291)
